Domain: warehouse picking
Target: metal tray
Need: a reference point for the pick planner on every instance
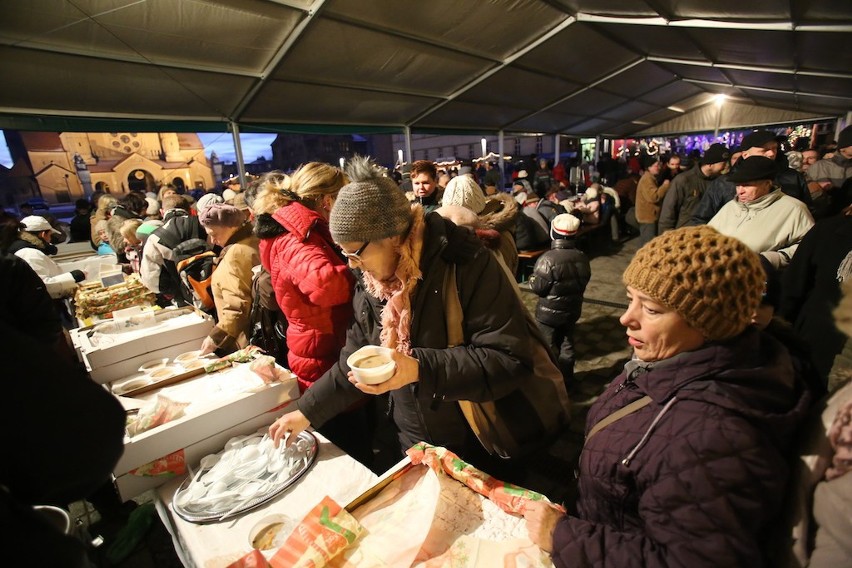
(213, 515)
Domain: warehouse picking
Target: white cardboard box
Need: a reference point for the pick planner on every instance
(112, 356)
(203, 430)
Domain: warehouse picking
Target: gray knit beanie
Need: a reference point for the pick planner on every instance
(370, 207)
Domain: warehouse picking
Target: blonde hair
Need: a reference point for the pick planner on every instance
(308, 185)
(128, 231)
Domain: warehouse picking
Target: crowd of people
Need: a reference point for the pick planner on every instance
(689, 452)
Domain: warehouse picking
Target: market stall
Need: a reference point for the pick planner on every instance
(430, 510)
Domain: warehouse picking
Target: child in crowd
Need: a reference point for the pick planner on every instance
(559, 279)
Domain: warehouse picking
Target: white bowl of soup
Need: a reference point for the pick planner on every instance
(372, 364)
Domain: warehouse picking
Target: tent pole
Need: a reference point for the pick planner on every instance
(556, 149)
(501, 163)
(241, 166)
(408, 155)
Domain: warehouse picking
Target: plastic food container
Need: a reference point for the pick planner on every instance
(372, 364)
(271, 532)
(131, 385)
(149, 366)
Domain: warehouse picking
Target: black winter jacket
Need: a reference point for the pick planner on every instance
(495, 360)
(559, 279)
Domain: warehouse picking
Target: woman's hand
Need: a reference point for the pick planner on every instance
(407, 372)
(292, 424)
(208, 346)
(542, 518)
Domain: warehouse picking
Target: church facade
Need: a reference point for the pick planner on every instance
(61, 167)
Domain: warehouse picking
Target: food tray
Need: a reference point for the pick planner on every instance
(194, 514)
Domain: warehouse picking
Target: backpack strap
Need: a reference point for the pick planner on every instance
(618, 415)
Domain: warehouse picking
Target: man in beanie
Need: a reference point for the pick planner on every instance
(231, 287)
(762, 216)
(694, 469)
(722, 190)
(180, 236)
(649, 196)
(559, 280)
(826, 177)
(400, 257)
(688, 188)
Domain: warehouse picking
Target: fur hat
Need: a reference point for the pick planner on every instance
(713, 281)
(753, 169)
(464, 191)
(564, 225)
(221, 215)
(716, 153)
(206, 201)
(845, 138)
(370, 207)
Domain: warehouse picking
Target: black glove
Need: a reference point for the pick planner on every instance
(78, 275)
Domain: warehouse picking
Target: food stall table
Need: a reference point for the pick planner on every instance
(216, 545)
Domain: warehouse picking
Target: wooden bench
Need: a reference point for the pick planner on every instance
(526, 262)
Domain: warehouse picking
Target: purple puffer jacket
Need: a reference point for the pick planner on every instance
(696, 477)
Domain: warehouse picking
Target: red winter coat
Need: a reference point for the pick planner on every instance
(312, 284)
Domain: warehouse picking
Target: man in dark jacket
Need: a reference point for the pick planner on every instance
(159, 257)
(720, 191)
(559, 279)
(688, 188)
(400, 258)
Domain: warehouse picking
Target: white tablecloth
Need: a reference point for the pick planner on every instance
(216, 545)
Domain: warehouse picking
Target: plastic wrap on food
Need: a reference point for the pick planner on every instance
(264, 366)
(161, 411)
(509, 497)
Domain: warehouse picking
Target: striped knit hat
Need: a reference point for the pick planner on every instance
(714, 282)
(371, 207)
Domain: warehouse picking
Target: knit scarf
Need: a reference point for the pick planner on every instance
(398, 290)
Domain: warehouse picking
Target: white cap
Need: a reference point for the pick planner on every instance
(37, 224)
(564, 225)
(206, 201)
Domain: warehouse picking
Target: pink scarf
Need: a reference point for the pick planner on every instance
(398, 290)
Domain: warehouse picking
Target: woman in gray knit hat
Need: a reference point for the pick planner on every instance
(400, 256)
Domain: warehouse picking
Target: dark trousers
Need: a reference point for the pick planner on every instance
(647, 231)
(561, 341)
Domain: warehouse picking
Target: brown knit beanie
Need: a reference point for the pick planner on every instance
(370, 207)
(714, 282)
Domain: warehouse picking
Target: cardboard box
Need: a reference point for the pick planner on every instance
(112, 356)
(130, 485)
(204, 431)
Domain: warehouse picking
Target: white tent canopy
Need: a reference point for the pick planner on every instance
(578, 67)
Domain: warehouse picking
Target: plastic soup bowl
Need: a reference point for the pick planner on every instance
(372, 364)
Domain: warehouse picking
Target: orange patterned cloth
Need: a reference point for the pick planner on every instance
(511, 498)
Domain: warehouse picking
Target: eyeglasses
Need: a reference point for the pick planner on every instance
(355, 256)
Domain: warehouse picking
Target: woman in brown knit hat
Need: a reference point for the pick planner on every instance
(685, 459)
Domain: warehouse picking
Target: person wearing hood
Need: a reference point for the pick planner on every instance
(688, 452)
(401, 257)
(228, 227)
(494, 216)
(768, 221)
(34, 247)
